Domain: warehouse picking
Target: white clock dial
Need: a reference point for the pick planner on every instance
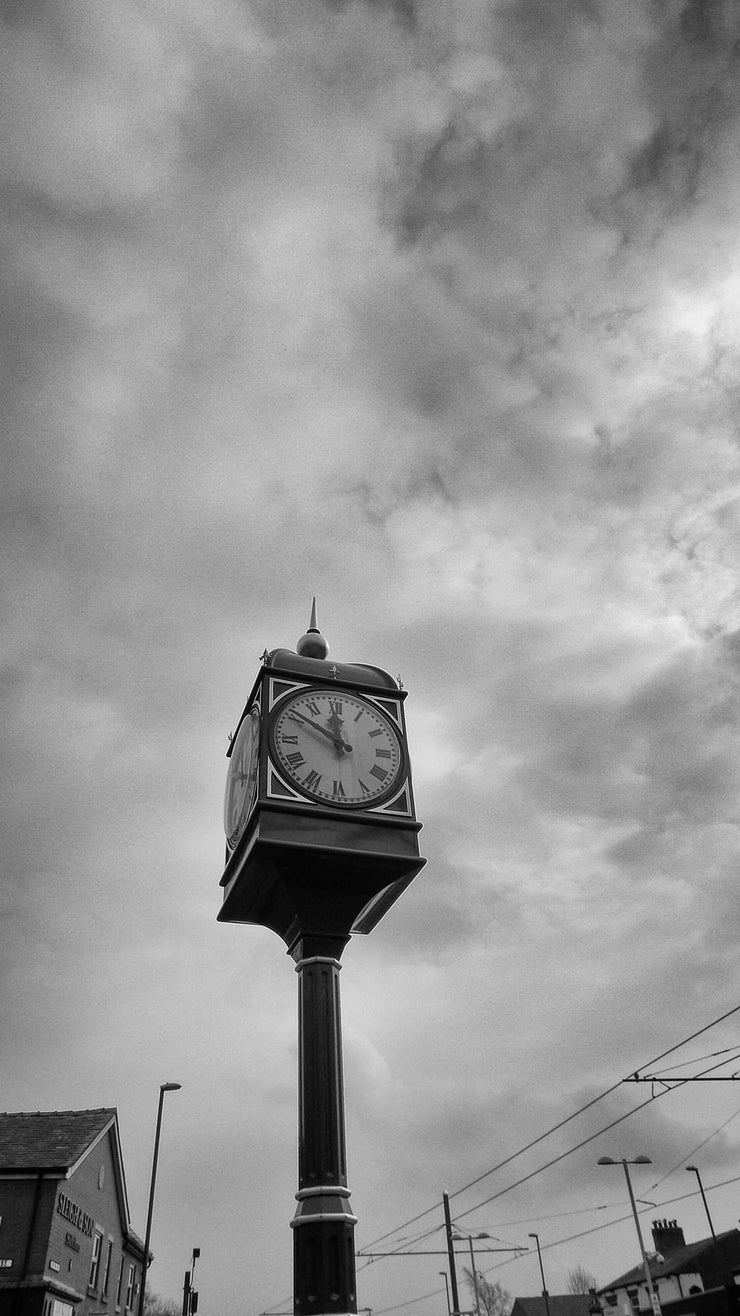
(337, 747)
(241, 777)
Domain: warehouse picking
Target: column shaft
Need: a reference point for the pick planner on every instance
(324, 1250)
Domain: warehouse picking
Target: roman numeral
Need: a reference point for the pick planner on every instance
(365, 789)
(289, 740)
(295, 760)
(382, 753)
(313, 707)
(338, 790)
(357, 716)
(375, 733)
(380, 773)
(312, 780)
(335, 706)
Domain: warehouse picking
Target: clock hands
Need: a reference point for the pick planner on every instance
(336, 723)
(335, 739)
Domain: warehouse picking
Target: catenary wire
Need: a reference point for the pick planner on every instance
(653, 1097)
(572, 1238)
(541, 1138)
(556, 1127)
(562, 1156)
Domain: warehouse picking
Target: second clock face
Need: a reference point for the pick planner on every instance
(337, 748)
(241, 778)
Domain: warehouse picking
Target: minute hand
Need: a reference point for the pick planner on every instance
(335, 740)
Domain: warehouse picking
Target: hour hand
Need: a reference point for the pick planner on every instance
(335, 722)
(336, 740)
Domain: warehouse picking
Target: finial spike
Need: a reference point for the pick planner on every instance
(313, 644)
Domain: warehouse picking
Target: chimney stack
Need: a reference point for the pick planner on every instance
(667, 1237)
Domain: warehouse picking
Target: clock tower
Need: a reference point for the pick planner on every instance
(321, 839)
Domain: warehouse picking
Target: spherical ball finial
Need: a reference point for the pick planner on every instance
(312, 644)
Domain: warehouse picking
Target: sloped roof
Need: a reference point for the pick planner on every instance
(561, 1304)
(49, 1140)
(684, 1260)
(55, 1141)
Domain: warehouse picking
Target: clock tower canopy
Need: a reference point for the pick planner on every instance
(310, 659)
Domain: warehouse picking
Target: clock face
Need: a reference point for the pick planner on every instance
(337, 748)
(241, 777)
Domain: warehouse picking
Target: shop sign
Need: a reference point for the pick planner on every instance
(76, 1216)
(71, 1241)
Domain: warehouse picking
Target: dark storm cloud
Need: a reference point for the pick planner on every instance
(429, 310)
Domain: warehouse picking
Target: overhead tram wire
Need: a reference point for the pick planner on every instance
(691, 1154)
(533, 1173)
(541, 1168)
(555, 1128)
(558, 1242)
(697, 1060)
(561, 1124)
(679, 1083)
(607, 1224)
(702, 1077)
(653, 1097)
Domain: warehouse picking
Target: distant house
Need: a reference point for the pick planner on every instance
(560, 1304)
(678, 1270)
(66, 1243)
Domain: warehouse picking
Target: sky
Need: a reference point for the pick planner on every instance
(429, 309)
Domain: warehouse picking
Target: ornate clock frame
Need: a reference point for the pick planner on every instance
(304, 865)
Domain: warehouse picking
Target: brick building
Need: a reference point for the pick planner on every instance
(66, 1244)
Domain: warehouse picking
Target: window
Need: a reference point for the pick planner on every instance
(106, 1272)
(130, 1287)
(119, 1284)
(95, 1263)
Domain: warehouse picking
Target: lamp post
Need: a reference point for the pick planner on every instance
(545, 1294)
(704, 1200)
(164, 1087)
(460, 1238)
(443, 1273)
(189, 1296)
(639, 1160)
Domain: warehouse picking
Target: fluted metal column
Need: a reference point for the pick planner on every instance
(323, 1246)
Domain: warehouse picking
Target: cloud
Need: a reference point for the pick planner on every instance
(429, 311)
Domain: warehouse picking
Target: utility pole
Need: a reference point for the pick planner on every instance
(451, 1255)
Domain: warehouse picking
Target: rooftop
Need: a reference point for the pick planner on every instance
(684, 1260)
(560, 1304)
(49, 1140)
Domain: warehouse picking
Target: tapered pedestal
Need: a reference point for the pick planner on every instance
(323, 1225)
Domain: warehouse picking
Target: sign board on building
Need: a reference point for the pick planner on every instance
(74, 1213)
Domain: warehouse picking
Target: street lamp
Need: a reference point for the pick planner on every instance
(639, 1160)
(443, 1273)
(460, 1238)
(189, 1296)
(545, 1294)
(704, 1200)
(164, 1087)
